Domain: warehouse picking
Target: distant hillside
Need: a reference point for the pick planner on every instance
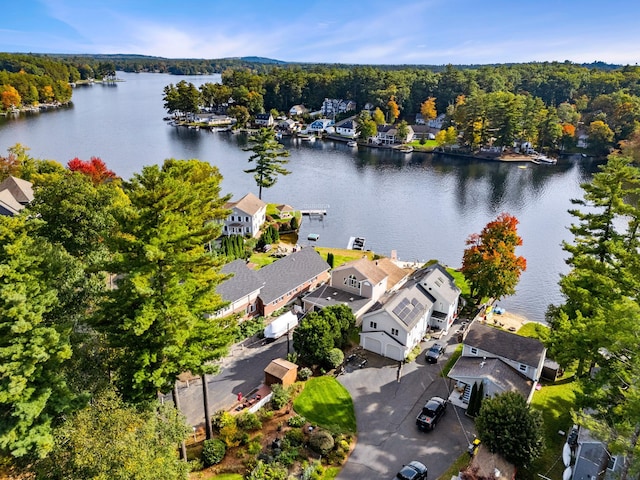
(262, 60)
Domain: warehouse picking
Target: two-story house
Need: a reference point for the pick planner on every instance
(15, 194)
(264, 120)
(501, 360)
(247, 216)
(297, 110)
(388, 135)
(320, 125)
(347, 128)
(399, 321)
(357, 284)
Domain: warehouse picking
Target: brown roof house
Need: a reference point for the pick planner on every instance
(280, 371)
(247, 216)
(15, 194)
(358, 284)
(500, 360)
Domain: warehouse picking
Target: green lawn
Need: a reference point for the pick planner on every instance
(326, 403)
(342, 255)
(229, 476)
(555, 401)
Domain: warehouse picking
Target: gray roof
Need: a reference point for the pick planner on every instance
(436, 277)
(409, 305)
(288, 273)
(326, 296)
(493, 369)
(501, 343)
(243, 282)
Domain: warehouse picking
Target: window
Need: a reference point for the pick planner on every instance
(373, 325)
(612, 463)
(251, 308)
(474, 351)
(246, 219)
(233, 218)
(522, 367)
(352, 281)
(394, 331)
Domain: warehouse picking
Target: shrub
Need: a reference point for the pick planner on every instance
(335, 357)
(295, 437)
(313, 471)
(292, 357)
(266, 415)
(297, 421)
(279, 397)
(304, 373)
(321, 442)
(287, 456)
(249, 422)
(249, 328)
(222, 419)
(213, 452)
(230, 435)
(272, 471)
(254, 447)
(293, 223)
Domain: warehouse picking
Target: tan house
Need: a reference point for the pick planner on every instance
(280, 371)
(247, 216)
(15, 194)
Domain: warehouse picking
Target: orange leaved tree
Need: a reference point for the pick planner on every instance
(490, 263)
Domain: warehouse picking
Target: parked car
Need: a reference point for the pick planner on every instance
(434, 353)
(412, 471)
(431, 413)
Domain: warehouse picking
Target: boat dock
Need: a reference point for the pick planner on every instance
(318, 210)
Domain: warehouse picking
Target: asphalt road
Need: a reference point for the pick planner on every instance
(386, 406)
(241, 371)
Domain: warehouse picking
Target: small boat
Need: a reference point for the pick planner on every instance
(313, 236)
(278, 136)
(356, 243)
(544, 159)
(308, 138)
(566, 454)
(352, 143)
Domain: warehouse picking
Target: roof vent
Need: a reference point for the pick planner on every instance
(482, 363)
(351, 299)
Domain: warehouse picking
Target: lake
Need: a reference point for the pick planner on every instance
(422, 206)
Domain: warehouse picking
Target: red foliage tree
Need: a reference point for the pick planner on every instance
(94, 168)
(490, 264)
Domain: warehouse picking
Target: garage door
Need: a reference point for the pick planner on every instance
(372, 345)
(394, 352)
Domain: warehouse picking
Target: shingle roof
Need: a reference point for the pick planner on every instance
(394, 272)
(243, 282)
(504, 344)
(437, 278)
(21, 189)
(248, 204)
(506, 378)
(9, 206)
(409, 305)
(326, 296)
(367, 269)
(279, 367)
(288, 273)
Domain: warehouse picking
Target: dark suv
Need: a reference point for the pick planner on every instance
(434, 353)
(431, 413)
(412, 471)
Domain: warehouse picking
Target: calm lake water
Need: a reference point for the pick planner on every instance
(423, 206)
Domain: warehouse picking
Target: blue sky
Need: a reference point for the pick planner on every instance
(431, 32)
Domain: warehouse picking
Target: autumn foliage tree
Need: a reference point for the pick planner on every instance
(490, 264)
(394, 110)
(94, 168)
(428, 109)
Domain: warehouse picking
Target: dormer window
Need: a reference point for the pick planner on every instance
(523, 367)
(474, 351)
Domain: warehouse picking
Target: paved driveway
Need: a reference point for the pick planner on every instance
(386, 405)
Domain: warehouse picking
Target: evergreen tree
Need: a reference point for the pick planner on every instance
(269, 156)
(34, 344)
(472, 411)
(156, 318)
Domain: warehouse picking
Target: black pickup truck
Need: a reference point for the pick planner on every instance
(431, 413)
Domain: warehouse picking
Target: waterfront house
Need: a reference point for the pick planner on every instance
(388, 135)
(285, 211)
(240, 291)
(500, 360)
(247, 216)
(290, 277)
(347, 128)
(288, 125)
(15, 194)
(264, 120)
(420, 119)
(357, 284)
(437, 122)
(399, 320)
(320, 125)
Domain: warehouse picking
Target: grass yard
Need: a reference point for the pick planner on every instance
(342, 255)
(555, 401)
(228, 476)
(327, 403)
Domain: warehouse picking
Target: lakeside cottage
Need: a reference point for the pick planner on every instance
(247, 216)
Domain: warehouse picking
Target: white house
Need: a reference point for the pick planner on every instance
(247, 216)
(398, 325)
(334, 106)
(437, 122)
(320, 125)
(395, 325)
(388, 135)
(264, 120)
(297, 110)
(347, 128)
(500, 360)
